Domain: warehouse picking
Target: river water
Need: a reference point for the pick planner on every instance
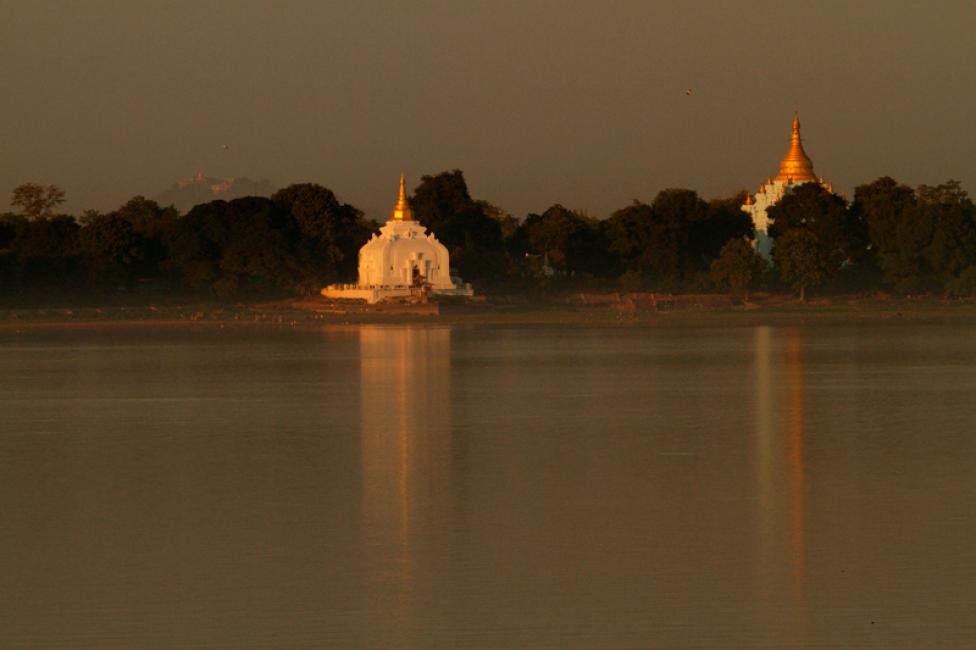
(476, 487)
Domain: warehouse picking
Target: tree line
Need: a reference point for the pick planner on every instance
(303, 237)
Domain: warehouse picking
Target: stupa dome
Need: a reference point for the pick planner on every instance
(796, 165)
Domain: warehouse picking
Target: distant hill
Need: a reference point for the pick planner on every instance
(200, 189)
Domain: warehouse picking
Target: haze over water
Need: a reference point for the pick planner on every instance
(416, 487)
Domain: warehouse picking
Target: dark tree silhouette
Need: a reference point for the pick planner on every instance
(628, 233)
(671, 260)
(888, 209)
(821, 236)
(568, 241)
(332, 232)
(804, 260)
(737, 267)
(245, 245)
(724, 222)
(473, 238)
(112, 249)
(45, 252)
(37, 201)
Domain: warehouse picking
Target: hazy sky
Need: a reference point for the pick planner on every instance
(581, 103)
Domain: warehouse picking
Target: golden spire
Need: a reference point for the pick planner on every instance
(796, 166)
(402, 211)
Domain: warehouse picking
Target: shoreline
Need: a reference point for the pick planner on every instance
(604, 310)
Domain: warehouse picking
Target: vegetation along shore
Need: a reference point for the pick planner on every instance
(890, 238)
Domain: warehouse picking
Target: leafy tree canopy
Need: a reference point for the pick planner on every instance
(628, 233)
(947, 212)
(724, 222)
(46, 251)
(568, 240)
(887, 208)
(246, 243)
(112, 248)
(334, 231)
(442, 204)
(37, 201)
(803, 260)
(737, 266)
(811, 207)
(671, 258)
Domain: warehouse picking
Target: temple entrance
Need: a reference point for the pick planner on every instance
(419, 272)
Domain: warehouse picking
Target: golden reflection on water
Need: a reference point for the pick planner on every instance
(405, 389)
(794, 367)
(781, 470)
(764, 442)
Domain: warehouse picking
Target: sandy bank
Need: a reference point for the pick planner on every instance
(648, 310)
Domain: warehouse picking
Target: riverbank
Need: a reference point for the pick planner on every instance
(610, 309)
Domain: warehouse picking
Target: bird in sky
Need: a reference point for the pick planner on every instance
(688, 92)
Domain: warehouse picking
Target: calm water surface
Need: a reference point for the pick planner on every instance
(438, 487)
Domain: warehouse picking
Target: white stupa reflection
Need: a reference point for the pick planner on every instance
(405, 379)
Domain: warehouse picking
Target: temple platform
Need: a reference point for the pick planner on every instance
(375, 294)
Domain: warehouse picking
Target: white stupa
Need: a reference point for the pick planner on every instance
(402, 260)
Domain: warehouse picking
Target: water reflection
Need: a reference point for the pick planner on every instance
(764, 440)
(781, 467)
(405, 439)
(490, 487)
(794, 382)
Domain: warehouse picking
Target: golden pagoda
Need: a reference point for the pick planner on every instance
(402, 211)
(796, 166)
(795, 169)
